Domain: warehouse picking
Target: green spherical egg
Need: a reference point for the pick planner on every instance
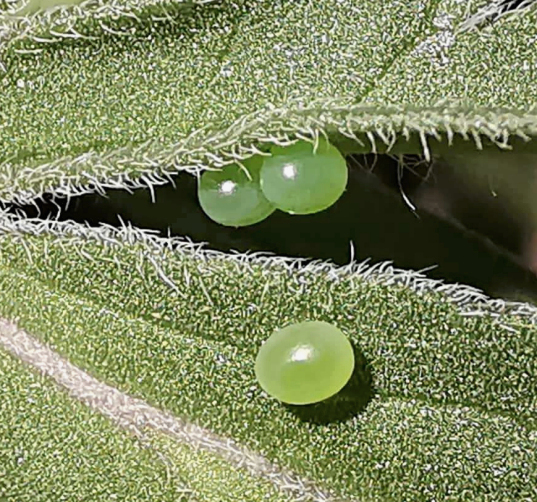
(305, 363)
(230, 198)
(298, 181)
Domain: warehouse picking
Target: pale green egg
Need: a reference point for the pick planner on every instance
(298, 181)
(305, 363)
(230, 198)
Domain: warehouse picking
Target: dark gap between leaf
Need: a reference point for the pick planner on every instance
(505, 6)
(478, 242)
(489, 14)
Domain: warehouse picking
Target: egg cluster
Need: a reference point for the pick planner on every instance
(294, 179)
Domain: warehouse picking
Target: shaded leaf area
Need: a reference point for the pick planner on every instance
(54, 448)
(447, 391)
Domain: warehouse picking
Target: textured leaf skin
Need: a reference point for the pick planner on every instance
(447, 407)
(44, 432)
(435, 373)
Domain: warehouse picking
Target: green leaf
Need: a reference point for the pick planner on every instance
(440, 378)
(99, 95)
(179, 93)
(54, 448)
